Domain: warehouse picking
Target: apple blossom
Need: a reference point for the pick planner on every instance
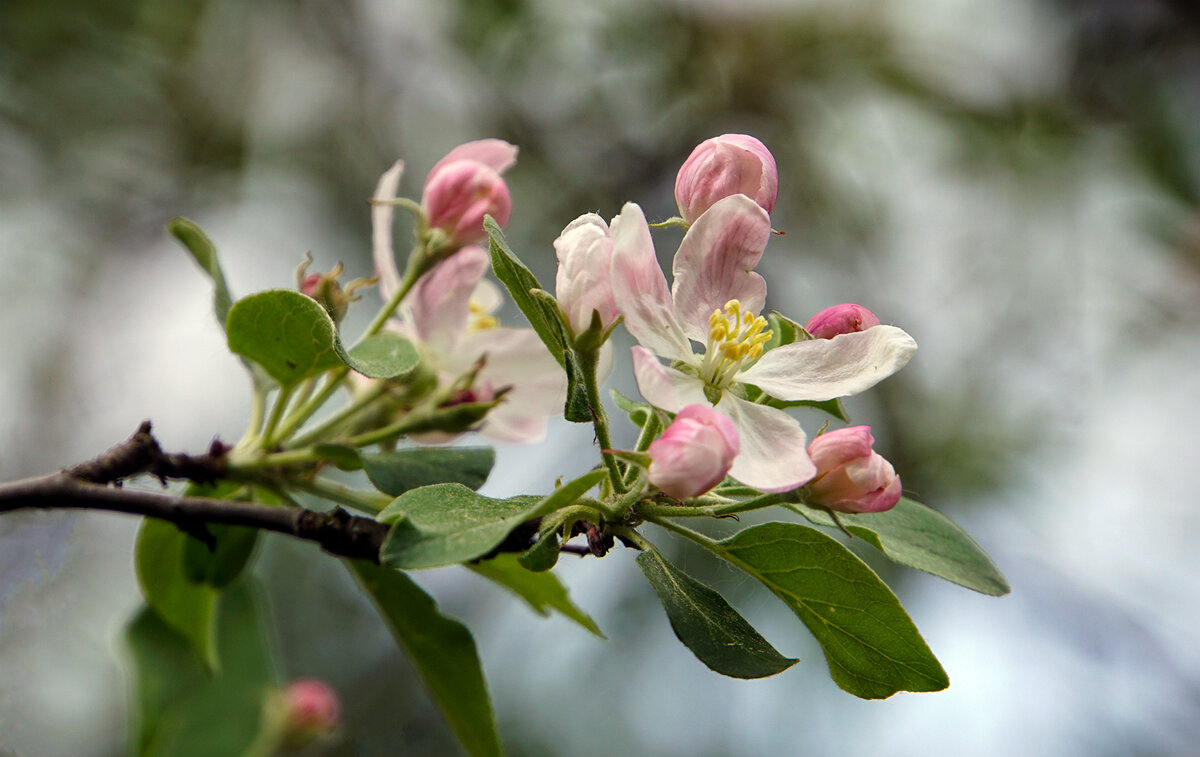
(851, 476)
(448, 315)
(722, 166)
(694, 453)
(583, 284)
(841, 319)
(465, 186)
(714, 300)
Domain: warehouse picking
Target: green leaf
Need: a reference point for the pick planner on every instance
(186, 606)
(922, 538)
(541, 556)
(446, 524)
(343, 456)
(205, 253)
(638, 412)
(871, 644)
(383, 356)
(443, 652)
(183, 710)
(395, 473)
(832, 407)
(542, 590)
(520, 282)
(220, 565)
(707, 624)
(289, 334)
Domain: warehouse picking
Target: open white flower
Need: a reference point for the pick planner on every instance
(715, 300)
(448, 315)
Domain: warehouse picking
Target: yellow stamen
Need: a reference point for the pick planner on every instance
(735, 338)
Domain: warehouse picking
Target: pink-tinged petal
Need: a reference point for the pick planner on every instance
(583, 283)
(439, 304)
(715, 263)
(773, 457)
(694, 453)
(822, 369)
(496, 154)
(381, 231)
(459, 194)
(841, 319)
(640, 289)
(665, 387)
(722, 166)
(505, 424)
(516, 358)
(840, 446)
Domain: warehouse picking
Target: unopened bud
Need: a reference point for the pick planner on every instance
(312, 712)
(583, 285)
(841, 319)
(723, 166)
(695, 452)
(465, 186)
(851, 476)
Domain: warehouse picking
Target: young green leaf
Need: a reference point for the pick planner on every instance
(443, 652)
(446, 524)
(205, 253)
(383, 356)
(219, 563)
(520, 281)
(871, 644)
(394, 473)
(542, 590)
(176, 701)
(922, 538)
(288, 334)
(541, 556)
(186, 606)
(638, 412)
(706, 624)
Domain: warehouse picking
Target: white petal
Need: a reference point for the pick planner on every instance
(640, 288)
(715, 263)
(439, 304)
(773, 456)
(381, 231)
(516, 358)
(822, 369)
(665, 387)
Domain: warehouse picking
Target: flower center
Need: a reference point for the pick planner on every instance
(734, 339)
(478, 317)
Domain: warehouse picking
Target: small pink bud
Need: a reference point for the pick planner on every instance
(841, 319)
(722, 166)
(583, 284)
(465, 186)
(851, 477)
(694, 453)
(312, 710)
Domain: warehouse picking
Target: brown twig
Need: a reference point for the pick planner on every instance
(86, 487)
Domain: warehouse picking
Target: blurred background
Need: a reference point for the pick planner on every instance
(1016, 184)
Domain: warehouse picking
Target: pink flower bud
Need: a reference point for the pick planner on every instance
(851, 477)
(841, 319)
(694, 453)
(722, 166)
(465, 186)
(583, 284)
(312, 711)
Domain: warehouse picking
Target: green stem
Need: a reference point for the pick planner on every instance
(410, 422)
(281, 403)
(326, 427)
(651, 511)
(418, 264)
(258, 412)
(343, 495)
(588, 360)
(687, 533)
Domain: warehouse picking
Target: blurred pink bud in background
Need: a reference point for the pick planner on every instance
(313, 710)
(841, 319)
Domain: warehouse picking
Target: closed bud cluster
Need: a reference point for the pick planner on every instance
(465, 186)
(841, 319)
(851, 476)
(695, 452)
(722, 166)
